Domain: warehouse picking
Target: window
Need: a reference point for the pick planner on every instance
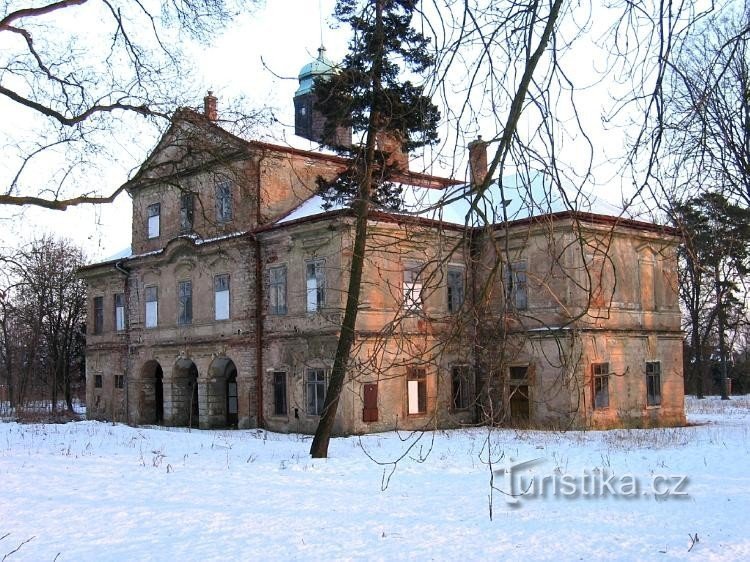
(184, 302)
(221, 297)
(515, 285)
(279, 393)
(519, 373)
(653, 383)
(455, 288)
(98, 315)
(97, 381)
(416, 381)
(460, 387)
(119, 381)
(153, 220)
(277, 290)
(316, 391)
(224, 201)
(119, 312)
(316, 285)
(152, 307)
(186, 212)
(600, 378)
(412, 288)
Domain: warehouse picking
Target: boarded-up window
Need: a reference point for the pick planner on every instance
(152, 306)
(119, 312)
(277, 290)
(221, 297)
(316, 391)
(154, 212)
(653, 383)
(316, 285)
(370, 410)
(460, 387)
(455, 288)
(279, 393)
(416, 381)
(184, 302)
(600, 379)
(98, 315)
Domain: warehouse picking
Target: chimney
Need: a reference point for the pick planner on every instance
(209, 106)
(390, 142)
(477, 161)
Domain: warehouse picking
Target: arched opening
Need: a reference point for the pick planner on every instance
(223, 396)
(152, 393)
(185, 394)
(232, 398)
(159, 396)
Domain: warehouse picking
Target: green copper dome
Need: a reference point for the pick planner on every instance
(319, 67)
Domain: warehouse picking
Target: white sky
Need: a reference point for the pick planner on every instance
(285, 34)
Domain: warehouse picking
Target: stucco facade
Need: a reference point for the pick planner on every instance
(228, 311)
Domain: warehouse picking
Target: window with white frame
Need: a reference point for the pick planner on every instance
(184, 302)
(119, 312)
(455, 288)
(152, 306)
(221, 297)
(515, 285)
(412, 288)
(416, 390)
(600, 380)
(154, 217)
(316, 391)
(653, 383)
(316, 285)
(277, 290)
(223, 197)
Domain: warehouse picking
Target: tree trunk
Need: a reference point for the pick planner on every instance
(319, 447)
(722, 342)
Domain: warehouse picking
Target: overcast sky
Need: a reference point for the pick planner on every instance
(258, 56)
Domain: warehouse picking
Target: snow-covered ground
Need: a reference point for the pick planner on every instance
(96, 491)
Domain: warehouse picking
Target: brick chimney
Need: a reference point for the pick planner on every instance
(209, 106)
(477, 161)
(390, 141)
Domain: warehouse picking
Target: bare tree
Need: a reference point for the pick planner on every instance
(73, 94)
(43, 315)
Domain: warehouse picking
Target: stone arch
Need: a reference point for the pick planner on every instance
(151, 395)
(185, 410)
(222, 395)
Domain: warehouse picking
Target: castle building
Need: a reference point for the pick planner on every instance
(228, 309)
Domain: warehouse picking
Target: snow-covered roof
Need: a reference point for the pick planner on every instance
(506, 200)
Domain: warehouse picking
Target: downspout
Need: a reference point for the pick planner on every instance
(258, 301)
(122, 269)
(259, 330)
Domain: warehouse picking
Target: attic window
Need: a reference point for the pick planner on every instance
(154, 212)
(223, 201)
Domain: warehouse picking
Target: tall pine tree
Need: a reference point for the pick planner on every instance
(368, 95)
